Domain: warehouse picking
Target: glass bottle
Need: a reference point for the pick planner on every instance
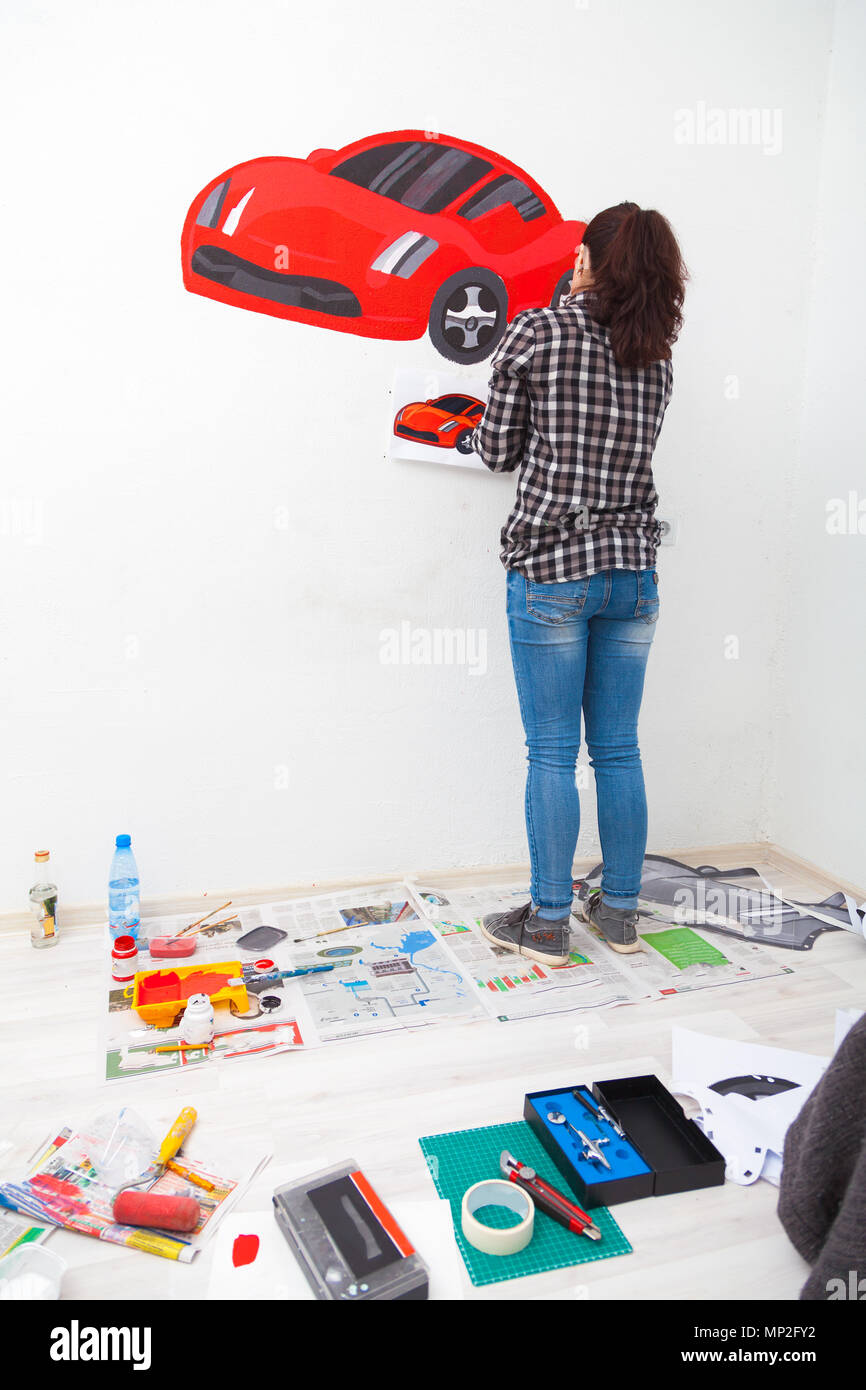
(43, 902)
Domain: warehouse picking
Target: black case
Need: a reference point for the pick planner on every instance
(677, 1151)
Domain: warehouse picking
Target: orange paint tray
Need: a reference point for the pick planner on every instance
(160, 996)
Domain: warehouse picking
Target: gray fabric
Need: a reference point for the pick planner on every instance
(822, 1197)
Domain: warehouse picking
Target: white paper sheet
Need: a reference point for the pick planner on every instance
(276, 1275)
(747, 1130)
(430, 398)
(856, 911)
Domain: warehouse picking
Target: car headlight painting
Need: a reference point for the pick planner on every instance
(209, 213)
(234, 217)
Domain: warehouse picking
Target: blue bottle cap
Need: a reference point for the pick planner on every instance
(122, 841)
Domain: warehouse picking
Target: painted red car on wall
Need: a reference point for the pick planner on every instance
(388, 237)
(446, 422)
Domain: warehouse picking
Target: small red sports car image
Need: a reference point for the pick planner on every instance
(446, 422)
(390, 237)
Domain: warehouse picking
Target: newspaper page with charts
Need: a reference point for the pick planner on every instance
(511, 986)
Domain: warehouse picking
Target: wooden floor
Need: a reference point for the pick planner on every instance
(372, 1099)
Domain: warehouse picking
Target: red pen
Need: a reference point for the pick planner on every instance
(547, 1199)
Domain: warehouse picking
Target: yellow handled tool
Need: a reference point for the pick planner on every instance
(177, 1134)
(189, 1175)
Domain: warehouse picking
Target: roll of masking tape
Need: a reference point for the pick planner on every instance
(494, 1192)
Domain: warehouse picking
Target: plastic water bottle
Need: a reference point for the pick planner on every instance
(124, 898)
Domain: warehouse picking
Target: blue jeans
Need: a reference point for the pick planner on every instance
(583, 643)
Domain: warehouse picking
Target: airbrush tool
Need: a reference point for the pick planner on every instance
(599, 1114)
(547, 1199)
(591, 1147)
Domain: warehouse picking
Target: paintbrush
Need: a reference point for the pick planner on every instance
(205, 926)
(185, 930)
(351, 926)
(289, 974)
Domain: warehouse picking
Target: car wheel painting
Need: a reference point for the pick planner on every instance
(563, 286)
(463, 442)
(468, 315)
(390, 237)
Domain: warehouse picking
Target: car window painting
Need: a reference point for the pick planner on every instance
(459, 405)
(499, 192)
(393, 236)
(424, 177)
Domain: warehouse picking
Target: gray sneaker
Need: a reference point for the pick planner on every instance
(617, 925)
(521, 931)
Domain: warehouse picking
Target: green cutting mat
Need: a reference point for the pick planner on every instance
(466, 1156)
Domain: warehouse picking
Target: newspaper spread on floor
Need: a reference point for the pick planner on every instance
(379, 965)
(403, 955)
(673, 960)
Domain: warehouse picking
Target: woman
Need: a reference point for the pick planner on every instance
(576, 403)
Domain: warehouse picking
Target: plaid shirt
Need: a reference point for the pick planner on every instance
(582, 430)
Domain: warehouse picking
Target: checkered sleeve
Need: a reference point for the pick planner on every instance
(500, 437)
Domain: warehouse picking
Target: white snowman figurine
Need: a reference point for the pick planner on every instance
(197, 1024)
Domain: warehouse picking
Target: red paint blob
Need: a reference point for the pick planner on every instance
(48, 1183)
(244, 1250)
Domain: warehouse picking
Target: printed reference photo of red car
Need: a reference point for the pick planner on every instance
(389, 237)
(446, 422)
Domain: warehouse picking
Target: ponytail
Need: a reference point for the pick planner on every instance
(638, 282)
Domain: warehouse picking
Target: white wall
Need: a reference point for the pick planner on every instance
(171, 655)
(819, 793)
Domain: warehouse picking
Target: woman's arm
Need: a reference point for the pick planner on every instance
(500, 437)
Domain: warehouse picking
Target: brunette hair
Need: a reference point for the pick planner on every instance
(638, 282)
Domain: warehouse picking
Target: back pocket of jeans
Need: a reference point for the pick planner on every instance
(647, 606)
(558, 602)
